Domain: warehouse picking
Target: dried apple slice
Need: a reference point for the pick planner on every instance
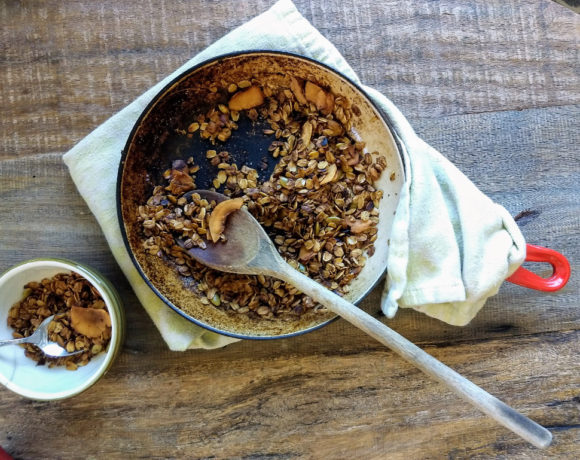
(329, 103)
(359, 226)
(297, 90)
(247, 99)
(180, 182)
(90, 322)
(321, 99)
(218, 217)
(314, 94)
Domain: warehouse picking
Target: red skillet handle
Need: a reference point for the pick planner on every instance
(559, 263)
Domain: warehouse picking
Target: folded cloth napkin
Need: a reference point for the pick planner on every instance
(451, 246)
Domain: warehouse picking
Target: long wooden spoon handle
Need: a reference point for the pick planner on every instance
(496, 409)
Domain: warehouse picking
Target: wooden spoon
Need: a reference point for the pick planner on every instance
(249, 250)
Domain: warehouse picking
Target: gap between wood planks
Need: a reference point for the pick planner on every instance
(32, 156)
(555, 336)
(502, 110)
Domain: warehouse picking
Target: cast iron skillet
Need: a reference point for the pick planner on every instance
(154, 143)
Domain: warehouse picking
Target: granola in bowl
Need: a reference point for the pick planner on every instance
(76, 305)
(60, 287)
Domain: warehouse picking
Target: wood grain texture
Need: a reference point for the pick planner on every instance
(494, 85)
(335, 405)
(68, 67)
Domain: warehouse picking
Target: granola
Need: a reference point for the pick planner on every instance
(82, 321)
(319, 206)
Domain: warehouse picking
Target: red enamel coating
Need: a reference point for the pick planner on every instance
(559, 263)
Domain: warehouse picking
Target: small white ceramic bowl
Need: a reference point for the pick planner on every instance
(21, 374)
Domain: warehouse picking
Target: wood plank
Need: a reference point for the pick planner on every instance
(333, 405)
(71, 67)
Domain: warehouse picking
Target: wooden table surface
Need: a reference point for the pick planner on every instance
(494, 85)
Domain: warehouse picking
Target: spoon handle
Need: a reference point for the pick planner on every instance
(496, 409)
(15, 341)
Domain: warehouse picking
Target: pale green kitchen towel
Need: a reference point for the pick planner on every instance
(451, 247)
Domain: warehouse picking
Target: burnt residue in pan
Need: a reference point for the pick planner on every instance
(247, 146)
